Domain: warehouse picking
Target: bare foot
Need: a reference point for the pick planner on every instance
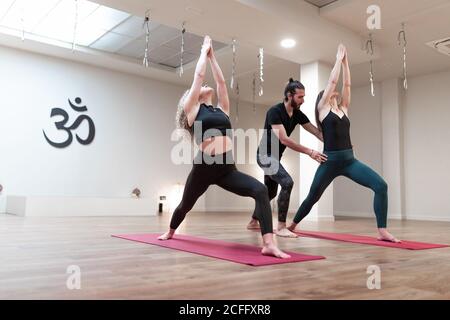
(384, 235)
(272, 250)
(292, 227)
(166, 236)
(285, 233)
(253, 225)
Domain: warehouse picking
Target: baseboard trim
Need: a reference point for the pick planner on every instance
(223, 209)
(392, 216)
(33, 206)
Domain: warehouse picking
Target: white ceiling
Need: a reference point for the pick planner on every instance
(264, 23)
(99, 27)
(426, 20)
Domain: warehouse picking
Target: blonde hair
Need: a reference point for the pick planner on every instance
(181, 120)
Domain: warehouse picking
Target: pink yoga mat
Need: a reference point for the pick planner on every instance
(230, 251)
(409, 245)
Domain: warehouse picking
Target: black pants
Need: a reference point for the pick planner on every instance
(274, 175)
(221, 170)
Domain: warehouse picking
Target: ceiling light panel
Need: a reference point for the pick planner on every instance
(26, 14)
(59, 23)
(5, 5)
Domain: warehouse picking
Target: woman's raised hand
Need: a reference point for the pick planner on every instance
(206, 47)
(211, 51)
(342, 52)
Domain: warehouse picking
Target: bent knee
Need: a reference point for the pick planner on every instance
(288, 184)
(261, 190)
(381, 187)
(273, 194)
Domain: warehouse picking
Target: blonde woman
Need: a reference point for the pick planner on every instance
(214, 164)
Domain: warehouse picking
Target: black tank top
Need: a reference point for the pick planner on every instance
(336, 132)
(213, 121)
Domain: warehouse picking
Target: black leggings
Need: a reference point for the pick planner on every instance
(274, 175)
(221, 170)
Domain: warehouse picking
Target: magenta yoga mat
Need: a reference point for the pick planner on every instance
(235, 252)
(409, 245)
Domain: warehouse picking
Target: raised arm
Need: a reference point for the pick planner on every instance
(191, 102)
(334, 76)
(346, 84)
(222, 92)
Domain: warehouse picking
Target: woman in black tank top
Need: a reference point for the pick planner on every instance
(332, 119)
(214, 164)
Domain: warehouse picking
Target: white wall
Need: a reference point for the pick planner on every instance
(426, 120)
(392, 101)
(314, 76)
(134, 119)
(350, 199)
(425, 185)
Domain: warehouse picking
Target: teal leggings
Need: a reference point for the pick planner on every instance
(343, 163)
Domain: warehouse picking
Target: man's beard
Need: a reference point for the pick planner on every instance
(294, 105)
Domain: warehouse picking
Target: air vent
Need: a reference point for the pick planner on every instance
(442, 45)
(321, 3)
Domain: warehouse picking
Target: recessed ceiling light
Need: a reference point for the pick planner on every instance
(288, 43)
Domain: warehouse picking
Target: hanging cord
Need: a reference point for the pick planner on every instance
(22, 22)
(237, 101)
(233, 67)
(75, 26)
(254, 92)
(369, 50)
(261, 71)
(183, 30)
(147, 38)
(402, 39)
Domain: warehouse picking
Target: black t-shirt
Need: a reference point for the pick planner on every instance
(278, 115)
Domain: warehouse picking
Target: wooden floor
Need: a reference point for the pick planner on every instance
(35, 254)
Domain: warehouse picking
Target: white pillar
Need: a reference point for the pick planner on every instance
(314, 77)
(392, 137)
